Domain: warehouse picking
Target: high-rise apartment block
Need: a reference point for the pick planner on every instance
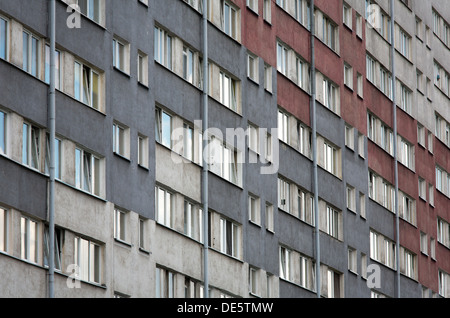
(328, 154)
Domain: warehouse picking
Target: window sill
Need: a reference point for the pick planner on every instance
(143, 167)
(122, 72)
(252, 11)
(145, 86)
(251, 80)
(144, 251)
(122, 157)
(270, 231)
(353, 272)
(126, 244)
(254, 223)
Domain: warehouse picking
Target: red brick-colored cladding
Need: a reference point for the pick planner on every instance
(257, 35)
(293, 99)
(353, 52)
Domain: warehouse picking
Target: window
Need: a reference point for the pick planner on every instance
(253, 4)
(349, 137)
(333, 282)
(407, 208)
(57, 157)
(267, 77)
(430, 141)
(362, 205)
(57, 66)
(253, 138)
(406, 153)
(382, 249)
(332, 222)
(165, 283)
(304, 139)
(58, 242)
(330, 33)
(420, 135)
(363, 265)
(3, 39)
(163, 127)
(3, 135)
(330, 157)
(252, 280)
(370, 69)
(120, 55)
(347, 16)
(424, 243)
(267, 10)
(282, 59)
(407, 263)
(330, 95)
(163, 48)
(230, 20)
(432, 248)
(305, 203)
(269, 217)
(119, 225)
(361, 146)
(444, 284)
(229, 237)
(283, 195)
(143, 151)
(188, 142)
(443, 232)
(252, 67)
(405, 99)
(386, 82)
(283, 126)
(225, 161)
(352, 260)
(285, 260)
(348, 75)
(31, 146)
(142, 234)
(359, 25)
(188, 65)
(439, 179)
(142, 71)
(91, 9)
(431, 194)
(31, 53)
(3, 230)
(405, 44)
(163, 202)
(419, 28)
(87, 171)
(87, 85)
(422, 188)
(351, 198)
(387, 139)
(228, 91)
(120, 140)
(29, 240)
(254, 209)
(189, 219)
(307, 273)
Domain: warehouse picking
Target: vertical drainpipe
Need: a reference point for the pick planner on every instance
(394, 111)
(51, 118)
(205, 148)
(314, 146)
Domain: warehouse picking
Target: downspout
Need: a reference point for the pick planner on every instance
(394, 110)
(205, 148)
(314, 148)
(51, 118)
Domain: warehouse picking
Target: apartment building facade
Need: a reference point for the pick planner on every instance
(129, 204)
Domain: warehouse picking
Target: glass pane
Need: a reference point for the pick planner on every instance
(25, 144)
(34, 56)
(166, 130)
(2, 133)
(2, 230)
(77, 81)
(23, 238)
(25, 52)
(33, 241)
(3, 39)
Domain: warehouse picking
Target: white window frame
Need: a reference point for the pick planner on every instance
(163, 44)
(31, 52)
(84, 88)
(87, 171)
(31, 145)
(29, 239)
(164, 205)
